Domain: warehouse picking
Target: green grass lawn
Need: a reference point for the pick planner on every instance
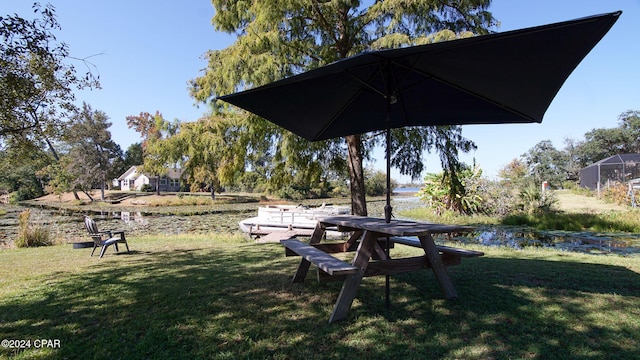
(221, 297)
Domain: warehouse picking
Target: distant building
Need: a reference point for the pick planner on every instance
(617, 168)
(132, 180)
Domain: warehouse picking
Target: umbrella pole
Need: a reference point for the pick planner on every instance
(387, 284)
(387, 207)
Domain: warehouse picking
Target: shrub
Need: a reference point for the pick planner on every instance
(250, 181)
(290, 193)
(617, 193)
(147, 188)
(434, 193)
(31, 235)
(533, 200)
(440, 194)
(499, 199)
(578, 190)
(25, 193)
(375, 183)
(570, 185)
(339, 190)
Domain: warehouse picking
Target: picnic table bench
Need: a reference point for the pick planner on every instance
(371, 240)
(450, 255)
(325, 262)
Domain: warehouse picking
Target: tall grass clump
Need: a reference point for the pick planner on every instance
(31, 235)
(578, 190)
(449, 217)
(181, 200)
(612, 221)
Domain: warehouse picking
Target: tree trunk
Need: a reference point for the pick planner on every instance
(213, 192)
(88, 195)
(356, 176)
(158, 185)
(52, 149)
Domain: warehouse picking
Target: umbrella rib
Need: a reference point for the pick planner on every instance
(346, 105)
(366, 83)
(336, 115)
(429, 76)
(397, 89)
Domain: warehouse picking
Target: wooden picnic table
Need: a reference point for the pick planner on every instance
(370, 239)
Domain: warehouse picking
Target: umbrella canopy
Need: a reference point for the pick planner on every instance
(509, 77)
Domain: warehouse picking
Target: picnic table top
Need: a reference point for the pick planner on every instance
(395, 227)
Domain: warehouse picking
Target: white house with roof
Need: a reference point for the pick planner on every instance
(133, 180)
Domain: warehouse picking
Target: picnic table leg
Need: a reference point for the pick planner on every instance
(433, 255)
(355, 235)
(380, 253)
(303, 268)
(352, 282)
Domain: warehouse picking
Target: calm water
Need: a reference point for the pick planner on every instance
(69, 226)
(523, 237)
(584, 242)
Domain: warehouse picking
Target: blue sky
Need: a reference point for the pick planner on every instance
(147, 51)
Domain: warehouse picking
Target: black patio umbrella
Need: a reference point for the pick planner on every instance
(508, 77)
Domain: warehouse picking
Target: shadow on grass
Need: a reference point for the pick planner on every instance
(239, 303)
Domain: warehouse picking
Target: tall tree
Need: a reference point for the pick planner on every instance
(92, 151)
(630, 123)
(513, 173)
(602, 143)
(133, 155)
(37, 81)
(546, 163)
(277, 39)
(148, 126)
(211, 151)
(157, 158)
(573, 165)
